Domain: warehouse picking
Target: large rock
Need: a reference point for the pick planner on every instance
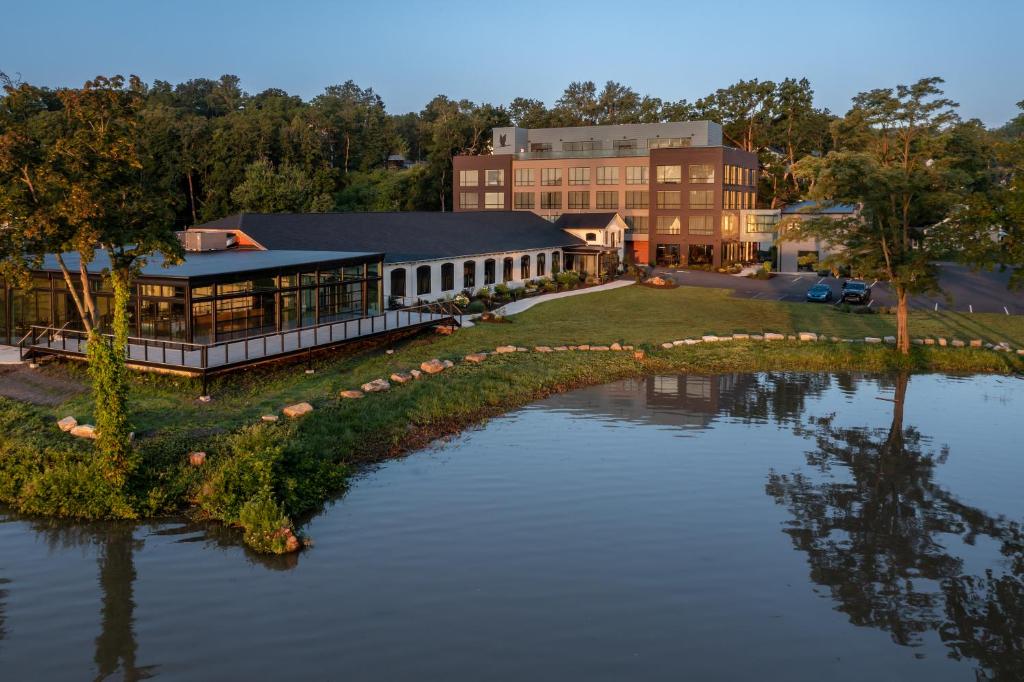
(504, 349)
(415, 373)
(773, 336)
(740, 337)
(929, 341)
(375, 386)
(269, 418)
(616, 346)
(975, 343)
(476, 358)
(542, 349)
(585, 346)
(67, 423)
(943, 342)
(401, 377)
(957, 343)
(84, 431)
(890, 339)
(297, 410)
(561, 348)
(808, 336)
(197, 459)
(434, 366)
(709, 338)
(599, 348)
(352, 394)
(667, 345)
(757, 337)
(872, 339)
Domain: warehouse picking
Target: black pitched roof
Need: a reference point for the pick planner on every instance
(402, 236)
(581, 221)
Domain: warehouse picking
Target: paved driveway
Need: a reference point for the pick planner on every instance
(980, 292)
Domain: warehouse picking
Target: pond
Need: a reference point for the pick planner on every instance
(742, 526)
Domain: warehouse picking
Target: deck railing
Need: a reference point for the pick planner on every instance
(223, 354)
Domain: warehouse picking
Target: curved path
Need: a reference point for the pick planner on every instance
(527, 303)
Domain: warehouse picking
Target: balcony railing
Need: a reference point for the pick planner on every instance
(198, 357)
(589, 154)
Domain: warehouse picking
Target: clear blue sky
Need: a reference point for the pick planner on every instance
(409, 52)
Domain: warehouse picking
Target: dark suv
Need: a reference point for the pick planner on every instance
(856, 292)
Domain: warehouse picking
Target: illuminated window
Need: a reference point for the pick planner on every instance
(469, 178)
(702, 173)
(667, 225)
(669, 175)
(494, 200)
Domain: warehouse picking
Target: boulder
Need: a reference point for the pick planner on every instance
(583, 347)
(505, 349)
(666, 345)
(773, 336)
(943, 342)
(433, 366)
(599, 348)
(205, 398)
(84, 431)
(573, 347)
(918, 342)
(791, 337)
(957, 343)
(67, 423)
(196, 459)
(740, 337)
(401, 377)
(389, 352)
(638, 355)
(757, 337)
(543, 349)
(297, 410)
(1020, 351)
(269, 418)
(561, 348)
(448, 364)
(889, 339)
(929, 342)
(679, 342)
(352, 394)
(415, 373)
(709, 338)
(975, 343)
(375, 386)
(476, 358)
(872, 339)
(808, 336)
(616, 346)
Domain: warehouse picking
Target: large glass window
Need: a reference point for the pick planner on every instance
(667, 142)
(579, 199)
(730, 226)
(494, 177)
(506, 269)
(607, 200)
(489, 271)
(669, 175)
(398, 282)
(202, 322)
(165, 319)
(702, 173)
(608, 175)
(469, 200)
(524, 177)
(523, 200)
(581, 146)
(551, 176)
(669, 199)
(636, 175)
(447, 276)
(469, 178)
(494, 200)
(667, 225)
(637, 224)
(579, 176)
(556, 261)
(541, 264)
(701, 224)
(422, 280)
(242, 316)
(701, 198)
(469, 274)
(637, 199)
(761, 223)
(551, 200)
(524, 267)
(667, 254)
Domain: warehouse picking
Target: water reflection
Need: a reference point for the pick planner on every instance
(881, 535)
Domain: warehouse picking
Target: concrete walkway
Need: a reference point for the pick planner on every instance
(9, 355)
(525, 304)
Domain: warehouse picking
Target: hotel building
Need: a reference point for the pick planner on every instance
(685, 197)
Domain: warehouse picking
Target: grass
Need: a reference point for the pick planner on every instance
(289, 468)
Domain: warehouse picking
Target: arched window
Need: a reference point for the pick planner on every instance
(556, 261)
(398, 282)
(447, 276)
(524, 267)
(489, 271)
(506, 269)
(469, 274)
(591, 236)
(541, 264)
(422, 280)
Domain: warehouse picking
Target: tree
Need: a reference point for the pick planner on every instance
(891, 161)
(284, 189)
(79, 180)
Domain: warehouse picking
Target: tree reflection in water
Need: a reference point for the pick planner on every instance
(878, 541)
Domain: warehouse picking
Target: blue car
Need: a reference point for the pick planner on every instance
(819, 293)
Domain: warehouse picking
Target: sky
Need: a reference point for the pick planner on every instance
(408, 52)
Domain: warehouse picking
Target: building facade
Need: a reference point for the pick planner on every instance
(677, 188)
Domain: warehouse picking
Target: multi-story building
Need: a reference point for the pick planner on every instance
(679, 190)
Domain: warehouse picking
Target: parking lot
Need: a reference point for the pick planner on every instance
(963, 289)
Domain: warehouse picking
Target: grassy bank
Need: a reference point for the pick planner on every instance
(258, 475)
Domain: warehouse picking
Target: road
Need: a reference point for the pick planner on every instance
(967, 291)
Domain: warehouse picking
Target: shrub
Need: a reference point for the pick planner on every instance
(475, 307)
(502, 290)
(264, 521)
(567, 279)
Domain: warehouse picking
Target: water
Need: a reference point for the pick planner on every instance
(773, 526)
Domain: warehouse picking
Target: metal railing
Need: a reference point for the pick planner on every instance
(221, 354)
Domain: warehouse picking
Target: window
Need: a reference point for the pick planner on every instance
(524, 267)
(623, 144)
(582, 146)
(540, 146)
(636, 175)
(667, 254)
(637, 199)
(701, 198)
(422, 280)
(541, 264)
(551, 176)
(551, 200)
(667, 225)
(469, 178)
(761, 223)
(447, 276)
(701, 224)
(494, 200)
(608, 175)
(469, 200)
(489, 271)
(579, 176)
(637, 224)
(668, 199)
(607, 200)
(494, 178)
(161, 291)
(669, 175)
(751, 200)
(728, 199)
(702, 173)
(398, 282)
(667, 142)
(590, 236)
(506, 269)
(556, 261)
(523, 199)
(730, 226)
(524, 177)
(579, 199)
(469, 274)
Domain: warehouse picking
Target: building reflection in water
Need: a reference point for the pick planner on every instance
(878, 534)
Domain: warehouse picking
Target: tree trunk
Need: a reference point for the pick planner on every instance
(191, 196)
(348, 142)
(902, 335)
